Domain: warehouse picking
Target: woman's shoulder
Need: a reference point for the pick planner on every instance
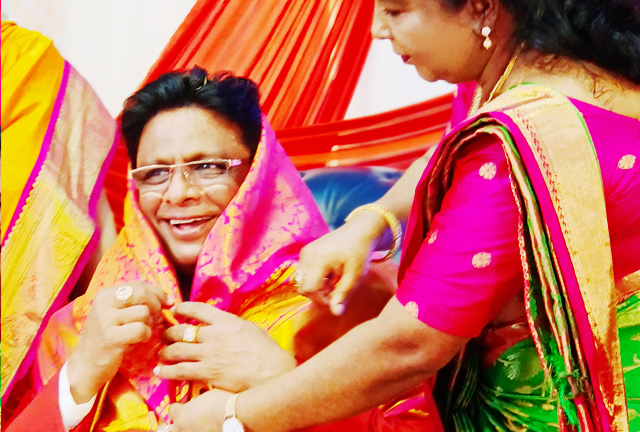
(582, 81)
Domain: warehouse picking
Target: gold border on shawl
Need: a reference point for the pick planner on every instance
(567, 160)
(53, 227)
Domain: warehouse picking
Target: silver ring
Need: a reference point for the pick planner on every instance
(190, 334)
(124, 295)
(298, 278)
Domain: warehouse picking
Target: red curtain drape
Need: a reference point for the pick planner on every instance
(305, 55)
(394, 138)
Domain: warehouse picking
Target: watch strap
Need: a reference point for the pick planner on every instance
(230, 407)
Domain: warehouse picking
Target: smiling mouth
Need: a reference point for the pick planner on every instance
(188, 222)
(189, 229)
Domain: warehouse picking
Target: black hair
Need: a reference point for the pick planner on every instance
(603, 32)
(235, 98)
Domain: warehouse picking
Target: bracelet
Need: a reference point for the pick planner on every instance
(390, 219)
(231, 422)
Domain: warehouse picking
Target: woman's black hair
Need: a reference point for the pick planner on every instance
(603, 32)
(235, 98)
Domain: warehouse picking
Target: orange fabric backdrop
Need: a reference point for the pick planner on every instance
(393, 139)
(306, 56)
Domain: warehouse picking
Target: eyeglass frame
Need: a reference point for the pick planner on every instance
(231, 163)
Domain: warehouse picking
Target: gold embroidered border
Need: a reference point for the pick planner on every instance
(54, 227)
(567, 161)
(627, 286)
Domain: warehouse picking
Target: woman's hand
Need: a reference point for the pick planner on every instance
(229, 353)
(204, 413)
(113, 325)
(340, 257)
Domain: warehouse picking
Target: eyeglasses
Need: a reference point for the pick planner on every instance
(198, 173)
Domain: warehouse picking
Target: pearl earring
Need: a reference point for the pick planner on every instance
(486, 31)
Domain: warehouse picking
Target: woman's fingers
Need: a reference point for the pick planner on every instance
(317, 285)
(343, 287)
(315, 264)
(341, 255)
(202, 414)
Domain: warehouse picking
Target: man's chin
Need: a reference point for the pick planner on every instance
(185, 261)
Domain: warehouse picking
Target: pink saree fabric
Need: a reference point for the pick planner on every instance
(466, 268)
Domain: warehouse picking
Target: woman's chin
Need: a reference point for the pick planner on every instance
(426, 74)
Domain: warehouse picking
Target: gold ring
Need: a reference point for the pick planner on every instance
(190, 334)
(124, 295)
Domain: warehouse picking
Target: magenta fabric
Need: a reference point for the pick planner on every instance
(468, 266)
(461, 104)
(617, 141)
(480, 216)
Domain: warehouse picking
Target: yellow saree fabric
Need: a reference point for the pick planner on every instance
(57, 139)
(27, 105)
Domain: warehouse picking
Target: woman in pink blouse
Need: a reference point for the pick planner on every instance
(520, 274)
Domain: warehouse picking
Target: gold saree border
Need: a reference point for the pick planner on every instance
(54, 226)
(627, 286)
(570, 169)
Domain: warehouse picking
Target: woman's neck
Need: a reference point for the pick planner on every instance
(497, 70)
(580, 81)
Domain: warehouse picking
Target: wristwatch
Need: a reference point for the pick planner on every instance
(231, 422)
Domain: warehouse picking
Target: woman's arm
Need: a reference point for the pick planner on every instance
(375, 362)
(400, 197)
(346, 252)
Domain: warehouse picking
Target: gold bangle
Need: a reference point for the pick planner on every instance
(390, 219)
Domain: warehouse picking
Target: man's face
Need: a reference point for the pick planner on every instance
(184, 214)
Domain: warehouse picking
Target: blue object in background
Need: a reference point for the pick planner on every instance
(338, 191)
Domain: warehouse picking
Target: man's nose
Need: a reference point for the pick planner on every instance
(180, 187)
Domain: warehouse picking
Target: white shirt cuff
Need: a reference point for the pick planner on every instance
(72, 413)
